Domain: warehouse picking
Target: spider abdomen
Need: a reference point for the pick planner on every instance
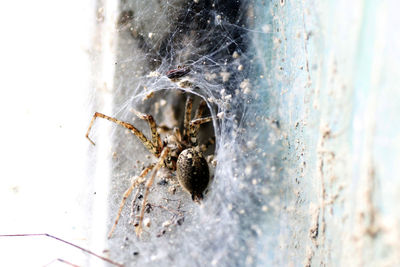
(192, 171)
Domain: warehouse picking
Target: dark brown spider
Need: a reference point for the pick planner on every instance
(177, 152)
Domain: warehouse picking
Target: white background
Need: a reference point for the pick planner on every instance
(44, 96)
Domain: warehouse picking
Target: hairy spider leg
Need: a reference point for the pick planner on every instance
(155, 137)
(200, 109)
(194, 128)
(140, 179)
(149, 145)
(187, 118)
(149, 183)
(176, 132)
(70, 244)
(198, 115)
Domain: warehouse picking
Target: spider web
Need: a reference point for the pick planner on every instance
(213, 39)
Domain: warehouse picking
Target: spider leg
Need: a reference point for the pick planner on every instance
(198, 115)
(155, 137)
(178, 135)
(194, 128)
(140, 179)
(200, 109)
(149, 183)
(149, 145)
(188, 116)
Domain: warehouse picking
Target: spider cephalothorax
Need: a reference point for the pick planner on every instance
(178, 152)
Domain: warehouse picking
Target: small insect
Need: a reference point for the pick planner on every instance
(178, 73)
(178, 152)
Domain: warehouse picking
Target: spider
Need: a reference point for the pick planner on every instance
(178, 152)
